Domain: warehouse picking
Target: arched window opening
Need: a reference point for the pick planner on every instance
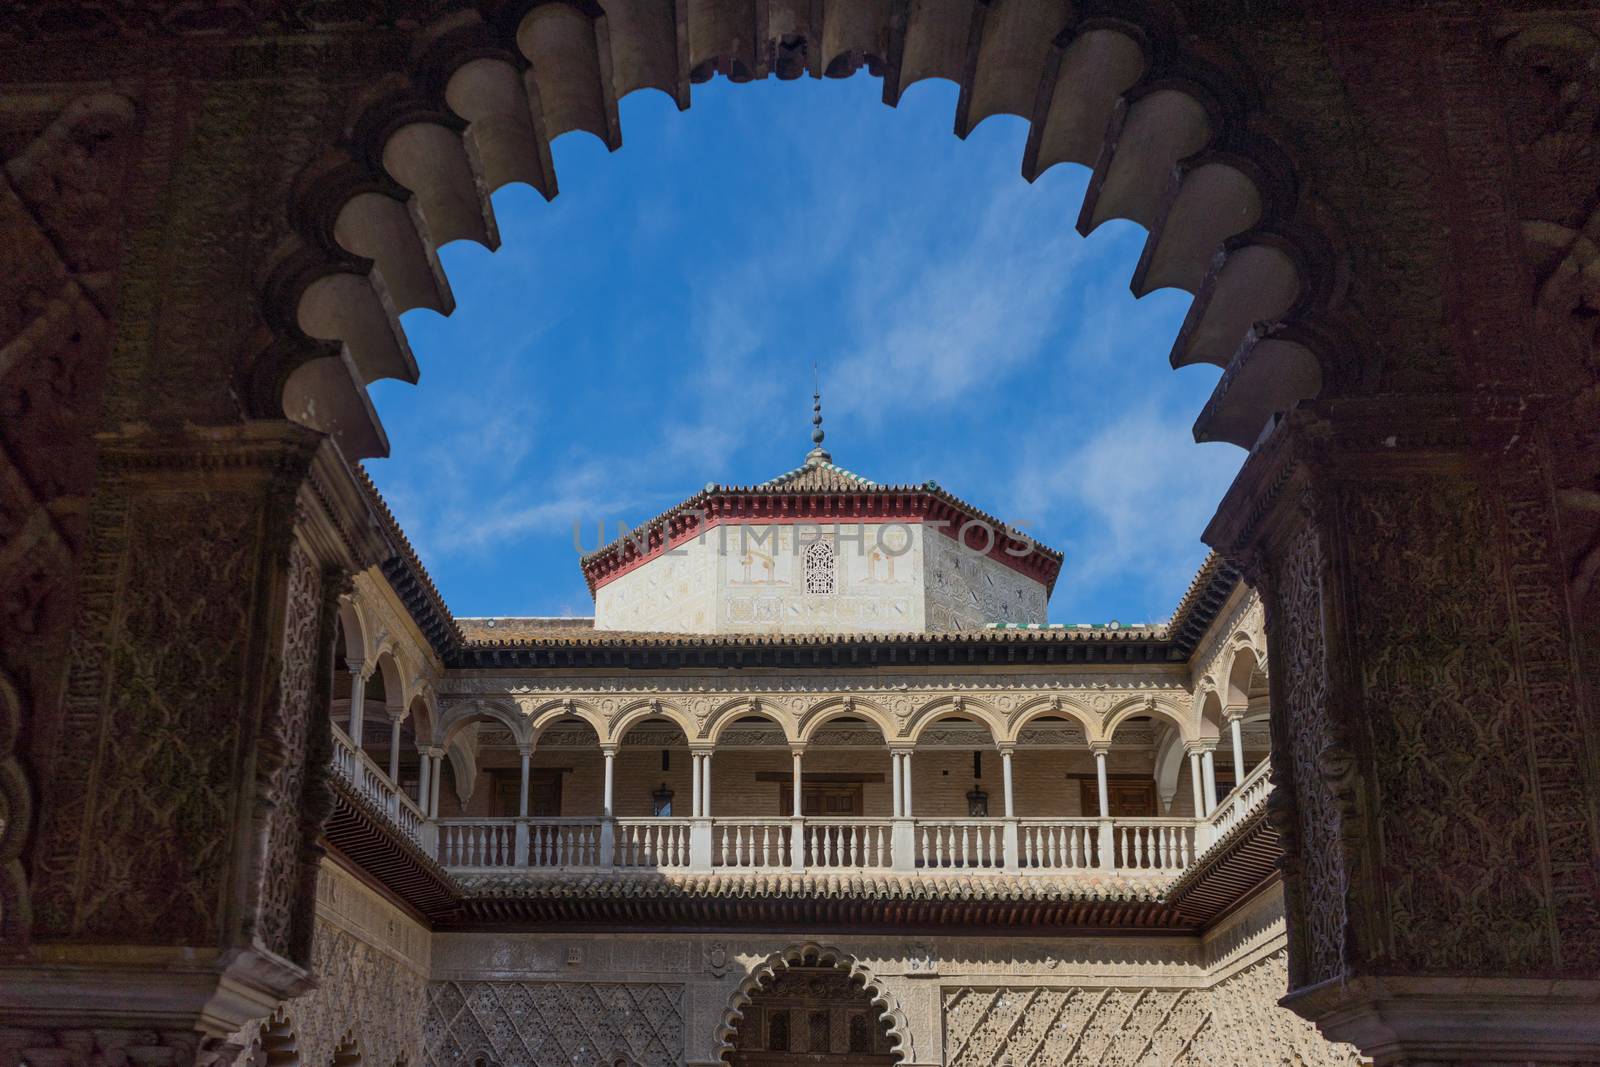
(811, 1013)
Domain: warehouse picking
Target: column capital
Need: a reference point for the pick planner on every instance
(1099, 748)
(610, 748)
(432, 751)
(526, 749)
(797, 748)
(1235, 714)
(1006, 749)
(1200, 746)
(903, 749)
(357, 667)
(702, 748)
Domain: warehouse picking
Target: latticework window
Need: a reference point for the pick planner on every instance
(819, 568)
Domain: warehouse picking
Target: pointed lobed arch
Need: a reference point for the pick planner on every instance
(275, 1043)
(804, 953)
(1173, 141)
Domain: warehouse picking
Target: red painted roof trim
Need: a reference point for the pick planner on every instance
(912, 508)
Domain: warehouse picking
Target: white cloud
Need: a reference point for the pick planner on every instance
(1135, 496)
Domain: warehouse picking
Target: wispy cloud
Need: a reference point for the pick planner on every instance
(1135, 494)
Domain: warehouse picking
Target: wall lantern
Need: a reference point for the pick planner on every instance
(977, 803)
(661, 802)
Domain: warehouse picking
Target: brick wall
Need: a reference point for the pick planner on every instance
(1046, 782)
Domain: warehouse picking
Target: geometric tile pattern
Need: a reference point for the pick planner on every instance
(1237, 1022)
(546, 1024)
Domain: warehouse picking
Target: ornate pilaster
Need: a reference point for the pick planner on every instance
(176, 854)
(1433, 754)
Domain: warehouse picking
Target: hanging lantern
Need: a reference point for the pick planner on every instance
(661, 802)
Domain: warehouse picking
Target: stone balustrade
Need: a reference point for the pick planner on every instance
(359, 771)
(1053, 846)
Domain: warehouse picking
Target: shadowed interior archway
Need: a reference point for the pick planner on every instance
(812, 1003)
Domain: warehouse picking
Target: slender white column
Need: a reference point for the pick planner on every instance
(606, 806)
(905, 782)
(394, 752)
(1208, 763)
(438, 776)
(424, 773)
(522, 797)
(1005, 774)
(694, 799)
(899, 796)
(1194, 781)
(1100, 780)
(358, 702)
(798, 801)
(705, 784)
(1236, 728)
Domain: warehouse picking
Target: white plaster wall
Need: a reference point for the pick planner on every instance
(673, 593)
(750, 578)
(966, 590)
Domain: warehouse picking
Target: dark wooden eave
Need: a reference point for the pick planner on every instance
(1232, 871)
(363, 836)
(1198, 609)
(978, 648)
(632, 913)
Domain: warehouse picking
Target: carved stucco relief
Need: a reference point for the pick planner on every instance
(1234, 1022)
(371, 962)
(555, 1024)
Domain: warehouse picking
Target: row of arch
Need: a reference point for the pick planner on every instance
(405, 693)
(528, 719)
(1174, 141)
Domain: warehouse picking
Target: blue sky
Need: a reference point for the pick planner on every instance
(653, 329)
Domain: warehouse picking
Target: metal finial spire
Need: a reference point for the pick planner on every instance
(818, 454)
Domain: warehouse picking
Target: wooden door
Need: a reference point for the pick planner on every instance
(544, 793)
(1129, 799)
(831, 801)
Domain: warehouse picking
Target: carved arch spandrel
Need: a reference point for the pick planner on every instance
(536, 716)
(731, 711)
(839, 707)
(499, 710)
(1153, 706)
(1055, 704)
(764, 971)
(638, 711)
(940, 708)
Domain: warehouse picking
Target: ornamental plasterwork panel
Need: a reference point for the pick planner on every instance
(1234, 1022)
(545, 1024)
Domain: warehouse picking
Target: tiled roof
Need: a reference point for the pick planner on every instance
(877, 885)
(524, 628)
(818, 478)
(409, 578)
